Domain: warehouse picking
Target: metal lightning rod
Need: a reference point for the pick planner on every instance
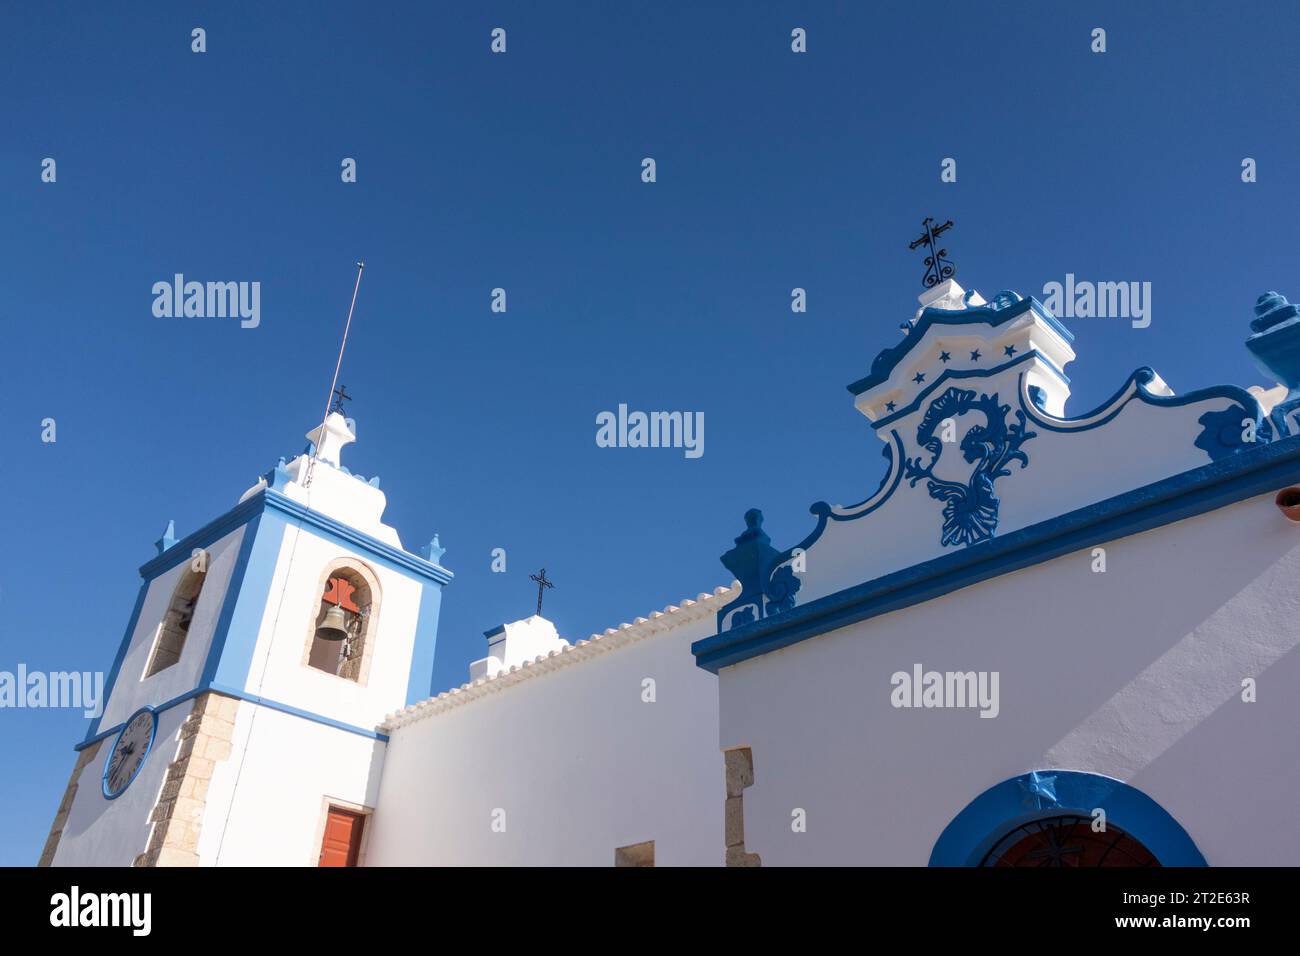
(329, 399)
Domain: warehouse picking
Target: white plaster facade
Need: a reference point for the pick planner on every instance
(564, 759)
(1134, 673)
(266, 801)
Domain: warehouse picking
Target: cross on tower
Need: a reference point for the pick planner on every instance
(937, 265)
(340, 396)
(542, 584)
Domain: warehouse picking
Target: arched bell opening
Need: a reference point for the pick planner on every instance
(342, 625)
(175, 626)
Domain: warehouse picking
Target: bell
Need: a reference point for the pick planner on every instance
(335, 625)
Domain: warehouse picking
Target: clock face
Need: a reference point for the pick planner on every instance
(129, 750)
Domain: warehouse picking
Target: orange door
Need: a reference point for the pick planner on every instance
(342, 840)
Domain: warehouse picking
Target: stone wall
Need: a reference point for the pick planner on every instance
(177, 817)
(84, 758)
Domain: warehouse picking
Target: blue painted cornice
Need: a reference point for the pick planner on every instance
(999, 311)
(212, 532)
(1231, 478)
(210, 687)
(969, 373)
(221, 526)
(404, 560)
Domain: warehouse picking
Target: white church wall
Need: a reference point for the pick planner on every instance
(278, 670)
(573, 760)
(1135, 673)
(103, 832)
(132, 689)
(266, 801)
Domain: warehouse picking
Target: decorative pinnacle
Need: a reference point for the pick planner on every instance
(168, 538)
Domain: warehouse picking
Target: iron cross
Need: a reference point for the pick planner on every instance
(340, 396)
(542, 584)
(937, 265)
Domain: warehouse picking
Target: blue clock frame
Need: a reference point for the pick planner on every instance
(110, 794)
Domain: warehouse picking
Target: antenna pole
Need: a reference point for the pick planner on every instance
(311, 463)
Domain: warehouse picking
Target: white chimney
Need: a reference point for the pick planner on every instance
(510, 645)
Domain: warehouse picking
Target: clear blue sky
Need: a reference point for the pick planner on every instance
(523, 171)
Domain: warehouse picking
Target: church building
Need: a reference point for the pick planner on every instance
(1045, 638)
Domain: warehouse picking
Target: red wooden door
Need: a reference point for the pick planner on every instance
(342, 840)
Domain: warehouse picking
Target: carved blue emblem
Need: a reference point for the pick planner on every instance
(970, 512)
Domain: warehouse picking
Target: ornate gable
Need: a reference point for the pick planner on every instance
(982, 458)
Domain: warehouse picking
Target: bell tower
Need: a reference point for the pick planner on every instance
(263, 651)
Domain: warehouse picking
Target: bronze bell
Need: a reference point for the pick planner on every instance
(335, 625)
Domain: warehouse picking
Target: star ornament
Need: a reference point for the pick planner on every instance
(919, 377)
(1039, 790)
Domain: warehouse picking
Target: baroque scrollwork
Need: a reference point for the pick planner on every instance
(970, 511)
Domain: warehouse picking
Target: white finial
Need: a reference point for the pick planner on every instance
(330, 437)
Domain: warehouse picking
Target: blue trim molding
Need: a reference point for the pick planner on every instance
(1045, 793)
(156, 708)
(122, 648)
(1001, 309)
(1252, 471)
(419, 683)
(336, 531)
(239, 695)
(297, 712)
(212, 532)
(231, 652)
(963, 373)
(1137, 386)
